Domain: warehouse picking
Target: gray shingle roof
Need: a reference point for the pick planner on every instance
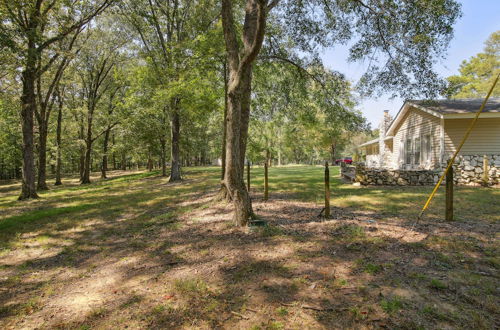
(459, 105)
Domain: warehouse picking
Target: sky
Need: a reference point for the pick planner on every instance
(479, 19)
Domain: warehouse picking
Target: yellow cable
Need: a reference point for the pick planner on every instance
(450, 164)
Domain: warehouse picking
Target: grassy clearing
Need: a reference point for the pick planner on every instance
(156, 255)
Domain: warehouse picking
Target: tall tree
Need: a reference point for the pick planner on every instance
(402, 38)
(30, 29)
(477, 74)
(95, 68)
(46, 94)
(166, 29)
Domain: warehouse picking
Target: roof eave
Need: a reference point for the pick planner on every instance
(471, 115)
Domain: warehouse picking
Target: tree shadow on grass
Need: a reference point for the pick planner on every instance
(147, 269)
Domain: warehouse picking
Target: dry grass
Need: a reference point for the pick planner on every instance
(136, 252)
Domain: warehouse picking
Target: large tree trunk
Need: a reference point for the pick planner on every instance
(239, 92)
(42, 156)
(28, 104)
(175, 171)
(58, 144)
(246, 81)
(224, 126)
(233, 178)
(104, 166)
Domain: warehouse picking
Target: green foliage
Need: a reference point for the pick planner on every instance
(477, 74)
(312, 105)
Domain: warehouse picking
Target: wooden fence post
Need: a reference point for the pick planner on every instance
(248, 176)
(449, 195)
(327, 191)
(486, 176)
(266, 182)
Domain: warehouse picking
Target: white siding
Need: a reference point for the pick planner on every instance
(417, 123)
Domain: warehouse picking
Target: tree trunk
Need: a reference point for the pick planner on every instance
(239, 91)
(87, 163)
(81, 163)
(246, 81)
(104, 166)
(58, 143)
(175, 171)
(28, 104)
(42, 156)
(113, 156)
(124, 161)
(224, 125)
(163, 156)
(88, 149)
(235, 149)
(332, 150)
(150, 162)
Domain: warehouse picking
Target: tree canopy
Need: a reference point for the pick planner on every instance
(476, 75)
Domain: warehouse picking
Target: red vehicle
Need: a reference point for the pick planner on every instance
(346, 160)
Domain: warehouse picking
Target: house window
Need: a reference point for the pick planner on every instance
(416, 151)
(408, 151)
(426, 149)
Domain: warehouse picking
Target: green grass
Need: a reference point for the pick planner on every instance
(306, 183)
(391, 305)
(15, 222)
(125, 216)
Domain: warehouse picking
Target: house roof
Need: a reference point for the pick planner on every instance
(444, 109)
(458, 106)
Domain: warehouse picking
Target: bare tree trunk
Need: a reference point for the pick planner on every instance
(86, 163)
(224, 125)
(58, 140)
(81, 163)
(233, 175)
(163, 156)
(239, 91)
(150, 162)
(104, 166)
(124, 161)
(175, 169)
(28, 103)
(88, 148)
(332, 150)
(42, 156)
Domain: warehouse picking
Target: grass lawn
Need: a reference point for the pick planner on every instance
(134, 251)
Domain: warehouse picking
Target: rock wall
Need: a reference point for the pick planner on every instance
(468, 170)
(370, 176)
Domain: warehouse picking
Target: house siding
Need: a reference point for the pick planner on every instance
(483, 140)
(418, 123)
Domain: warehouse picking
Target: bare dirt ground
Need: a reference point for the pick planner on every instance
(181, 264)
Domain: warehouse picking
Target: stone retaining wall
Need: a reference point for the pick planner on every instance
(370, 176)
(468, 170)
